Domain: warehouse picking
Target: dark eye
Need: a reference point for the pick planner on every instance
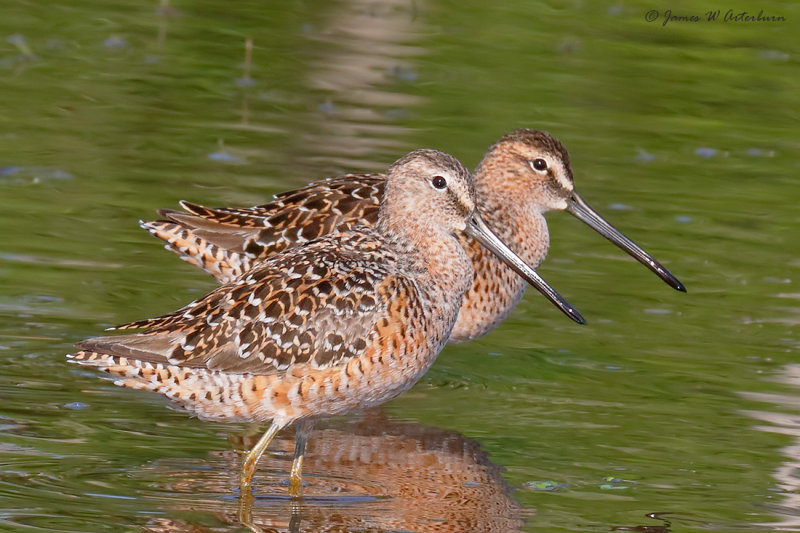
(539, 164)
(439, 182)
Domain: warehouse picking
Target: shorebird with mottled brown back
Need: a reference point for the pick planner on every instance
(521, 177)
(337, 324)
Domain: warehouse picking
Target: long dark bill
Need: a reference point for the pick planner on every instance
(478, 230)
(578, 208)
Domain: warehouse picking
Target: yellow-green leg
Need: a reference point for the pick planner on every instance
(303, 430)
(252, 457)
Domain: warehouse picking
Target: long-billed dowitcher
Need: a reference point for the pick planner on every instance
(344, 322)
(521, 177)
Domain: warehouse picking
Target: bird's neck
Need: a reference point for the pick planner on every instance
(434, 253)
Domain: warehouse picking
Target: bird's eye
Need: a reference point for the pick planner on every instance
(539, 164)
(439, 182)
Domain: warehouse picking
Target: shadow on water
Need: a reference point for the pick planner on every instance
(376, 475)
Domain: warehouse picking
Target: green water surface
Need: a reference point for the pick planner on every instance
(685, 136)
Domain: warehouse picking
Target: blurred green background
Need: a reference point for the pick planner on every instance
(684, 136)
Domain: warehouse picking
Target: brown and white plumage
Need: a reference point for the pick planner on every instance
(343, 322)
(512, 194)
(227, 242)
(314, 320)
(309, 324)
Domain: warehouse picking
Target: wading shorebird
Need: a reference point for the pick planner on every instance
(521, 177)
(341, 323)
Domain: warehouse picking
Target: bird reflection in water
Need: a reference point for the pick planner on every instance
(372, 475)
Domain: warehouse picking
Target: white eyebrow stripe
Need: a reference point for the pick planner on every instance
(558, 172)
(561, 178)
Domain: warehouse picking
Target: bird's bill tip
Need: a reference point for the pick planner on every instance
(577, 207)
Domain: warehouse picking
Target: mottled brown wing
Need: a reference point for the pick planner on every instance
(227, 241)
(315, 304)
(348, 196)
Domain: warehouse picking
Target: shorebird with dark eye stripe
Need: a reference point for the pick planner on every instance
(521, 177)
(337, 324)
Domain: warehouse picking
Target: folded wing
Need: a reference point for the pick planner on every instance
(303, 306)
(226, 242)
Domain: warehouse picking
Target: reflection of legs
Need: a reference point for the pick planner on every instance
(303, 429)
(252, 457)
(296, 518)
(246, 512)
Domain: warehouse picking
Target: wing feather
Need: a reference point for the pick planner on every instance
(315, 304)
(255, 233)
